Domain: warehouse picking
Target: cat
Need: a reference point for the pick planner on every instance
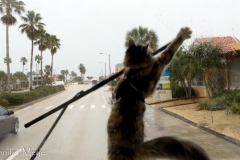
(125, 125)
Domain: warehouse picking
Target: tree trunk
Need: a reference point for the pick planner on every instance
(23, 69)
(51, 69)
(227, 76)
(206, 86)
(41, 70)
(189, 89)
(8, 60)
(31, 65)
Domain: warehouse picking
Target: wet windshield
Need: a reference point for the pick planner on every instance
(51, 50)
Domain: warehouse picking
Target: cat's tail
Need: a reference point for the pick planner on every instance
(170, 147)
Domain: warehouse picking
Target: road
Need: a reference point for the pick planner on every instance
(80, 134)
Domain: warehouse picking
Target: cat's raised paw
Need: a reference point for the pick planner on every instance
(185, 33)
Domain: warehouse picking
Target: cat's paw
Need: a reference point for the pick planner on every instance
(185, 33)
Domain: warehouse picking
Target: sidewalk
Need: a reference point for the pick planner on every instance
(171, 103)
(159, 123)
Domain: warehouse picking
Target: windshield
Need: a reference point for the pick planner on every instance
(51, 50)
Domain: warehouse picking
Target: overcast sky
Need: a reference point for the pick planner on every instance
(87, 28)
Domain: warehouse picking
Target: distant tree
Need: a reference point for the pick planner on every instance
(24, 61)
(61, 77)
(78, 79)
(2, 76)
(7, 7)
(142, 36)
(42, 46)
(53, 45)
(47, 70)
(82, 69)
(33, 27)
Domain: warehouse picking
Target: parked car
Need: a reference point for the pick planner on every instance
(58, 83)
(9, 122)
(94, 82)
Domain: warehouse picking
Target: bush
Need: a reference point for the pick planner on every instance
(235, 108)
(24, 97)
(179, 92)
(4, 102)
(206, 105)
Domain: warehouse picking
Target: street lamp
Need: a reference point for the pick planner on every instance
(109, 63)
(105, 68)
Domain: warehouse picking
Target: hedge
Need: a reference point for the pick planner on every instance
(13, 99)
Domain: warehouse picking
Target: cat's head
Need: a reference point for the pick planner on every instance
(137, 56)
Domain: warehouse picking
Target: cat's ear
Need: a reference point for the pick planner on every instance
(131, 43)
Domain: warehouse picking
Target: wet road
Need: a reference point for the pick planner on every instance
(80, 134)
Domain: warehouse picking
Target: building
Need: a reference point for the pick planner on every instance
(119, 67)
(231, 48)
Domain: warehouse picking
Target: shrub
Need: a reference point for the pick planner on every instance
(4, 102)
(179, 92)
(24, 97)
(206, 105)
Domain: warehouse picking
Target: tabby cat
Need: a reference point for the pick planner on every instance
(125, 125)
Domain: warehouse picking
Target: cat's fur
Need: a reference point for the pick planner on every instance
(125, 125)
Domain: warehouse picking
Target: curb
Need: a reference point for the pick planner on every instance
(15, 108)
(217, 134)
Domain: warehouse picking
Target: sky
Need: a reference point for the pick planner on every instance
(88, 28)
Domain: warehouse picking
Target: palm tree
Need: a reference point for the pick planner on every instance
(66, 72)
(38, 58)
(208, 62)
(20, 75)
(142, 36)
(5, 60)
(42, 46)
(62, 77)
(33, 28)
(53, 45)
(183, 70)
(47, 70)
(2, 75)
(24, 61)
(82, 70)
(6, 8)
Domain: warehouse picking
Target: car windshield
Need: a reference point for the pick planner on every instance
(52, 49)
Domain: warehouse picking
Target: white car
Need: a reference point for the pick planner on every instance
(58, 83)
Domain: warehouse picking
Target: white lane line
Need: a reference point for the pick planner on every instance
(104, 98)
(82, 106)
(27, 108)
(92, 106)
(70, 106)
(14, 154)
(109, 110)
(103, 106)
(49, 107)
(36, 107)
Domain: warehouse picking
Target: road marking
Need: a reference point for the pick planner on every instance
(92, 106)
(27, 108)
(103, 106)
(109, 110)
(49, 107)
(104, 98)
(82, 106)
(36, 107)
(70, 106)
(14, 154)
